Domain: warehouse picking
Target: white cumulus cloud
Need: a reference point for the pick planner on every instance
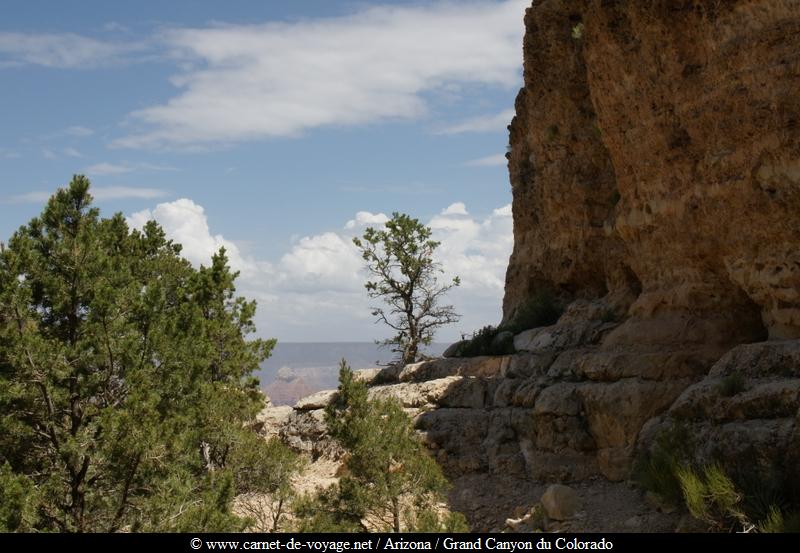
(457, 208)
(504, 211)
(315, 291)
(242, 82)
(185, 222)
(324, 262)
(364, 218)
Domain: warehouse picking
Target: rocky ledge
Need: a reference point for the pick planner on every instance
(565, 409)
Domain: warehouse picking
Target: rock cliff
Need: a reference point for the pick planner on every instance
(655, 168)
(655, 162)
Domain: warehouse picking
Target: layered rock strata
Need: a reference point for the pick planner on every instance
(560, 409)
(655, 169)
(655, 161)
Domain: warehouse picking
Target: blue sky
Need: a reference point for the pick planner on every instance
(277, 129)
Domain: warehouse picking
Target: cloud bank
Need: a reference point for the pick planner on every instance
(244, 82)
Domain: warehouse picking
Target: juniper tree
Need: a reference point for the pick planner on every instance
(124, 376)
(403, 274)
(390, 482)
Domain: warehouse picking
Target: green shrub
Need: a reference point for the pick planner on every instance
(609, 316)
(578, 30)
(485, 342)
(17, 501)
(757, 496)
(763, 484)
(656, 470)
(718, 500)
(429, 521)
(657, 474)
(264, 470)
(773, 523)
(713, 498)
(694, 493)
(540, 310)
(778, 522)
(732, 384)
(126, 377)
(391, 482)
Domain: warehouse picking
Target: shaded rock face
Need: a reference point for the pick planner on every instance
(655, 161)
(745, 414)
(562, 408)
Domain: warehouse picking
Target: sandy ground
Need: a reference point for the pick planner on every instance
(488, 500)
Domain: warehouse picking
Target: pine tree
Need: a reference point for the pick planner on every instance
(124, 376)
(391, 483)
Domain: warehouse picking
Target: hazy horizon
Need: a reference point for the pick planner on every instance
(314, 366)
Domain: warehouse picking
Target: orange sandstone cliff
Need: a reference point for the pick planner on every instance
(655, 163)
(655, 168)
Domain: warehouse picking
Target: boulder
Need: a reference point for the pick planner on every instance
(319, 400)
(503, 341)
(560, 502)
(270, 420)
(616, 412)
(416, 394)
(366, 375)
(561, 336)
(457, 366)
(744, 414)
(529, 365)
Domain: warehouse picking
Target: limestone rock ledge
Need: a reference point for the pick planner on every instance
(746, 411)
(574, 411)
(564, 409)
